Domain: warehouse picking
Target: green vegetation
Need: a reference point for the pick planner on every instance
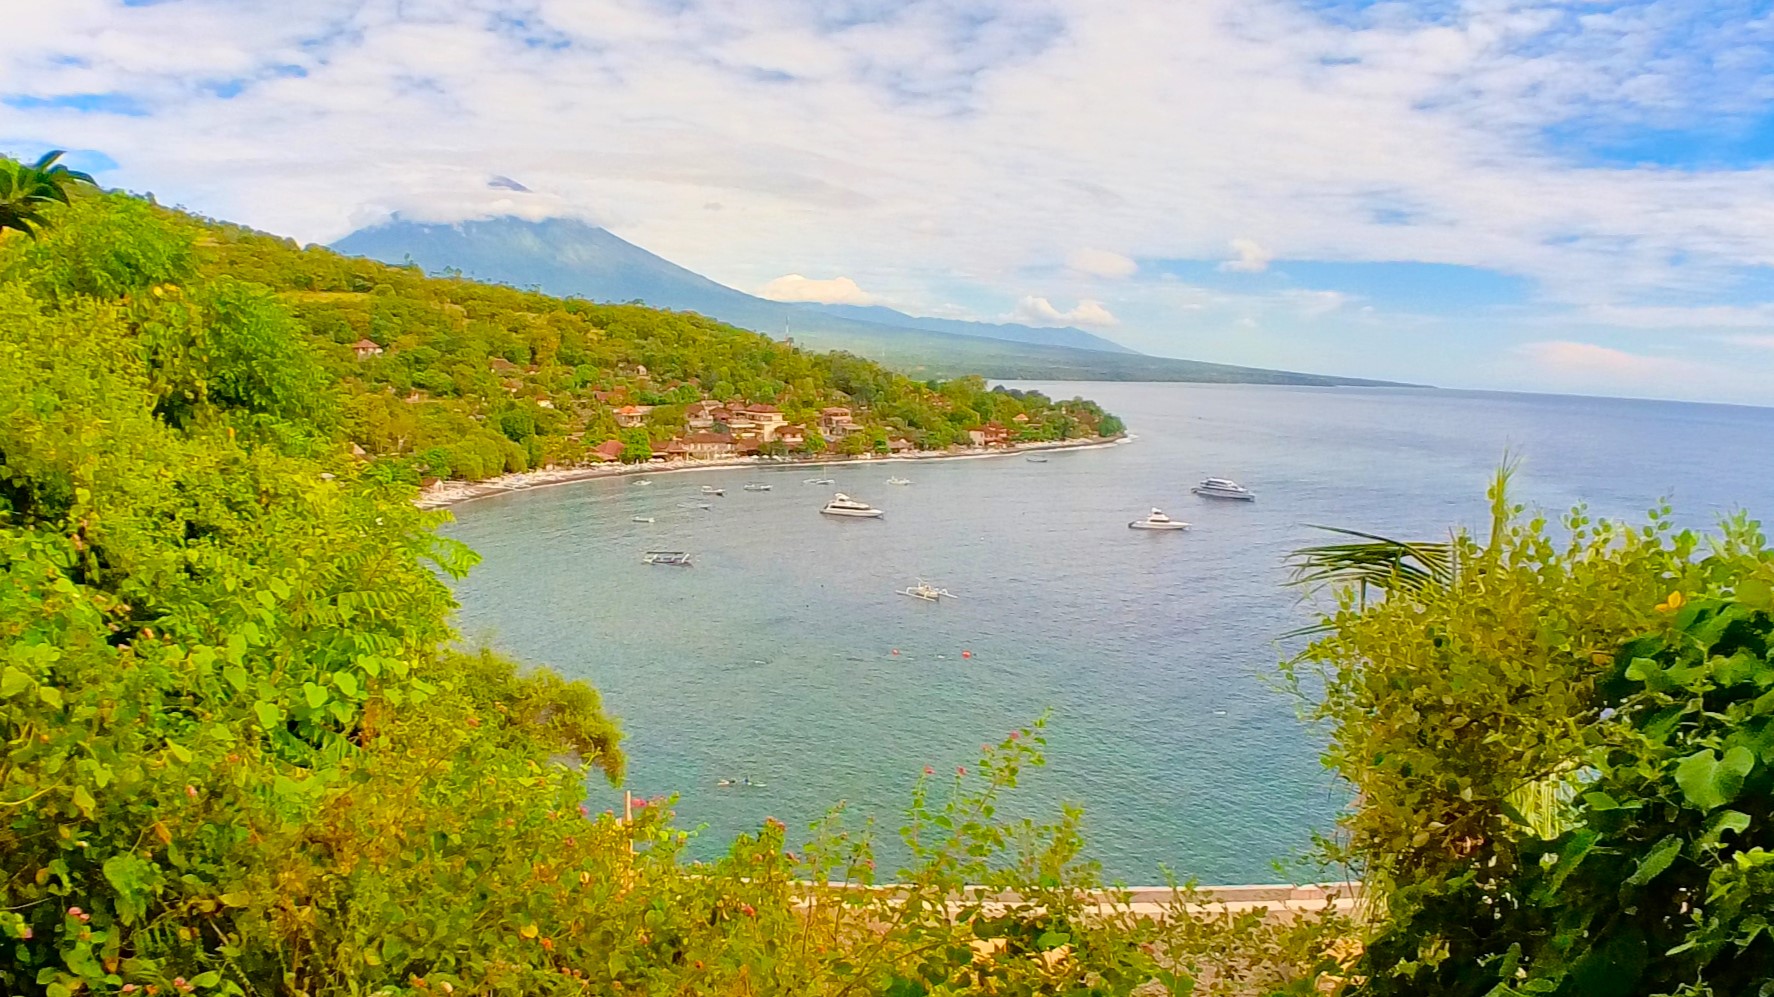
(1561, 751)
(25, 191)
(468, 380)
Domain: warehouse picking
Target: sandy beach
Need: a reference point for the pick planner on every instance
(448, 493)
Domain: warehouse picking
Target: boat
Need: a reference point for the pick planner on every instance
(1223, 488)
(819, 481)
(1157, 521)
(899, 481)
(643, 519)
(844, 505)
(677, 558)
(757, 486)
(694, 505)
(926, 591)
(712, 490)
(1036, 460)
(642, 481)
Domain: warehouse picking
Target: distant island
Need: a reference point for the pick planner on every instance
(568, 257)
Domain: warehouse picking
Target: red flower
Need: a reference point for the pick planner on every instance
(960, 770)
(1015, 734)
(929, 771)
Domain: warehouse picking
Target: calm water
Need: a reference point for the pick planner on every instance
(772, 658)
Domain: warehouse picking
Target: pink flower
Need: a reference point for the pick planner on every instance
(191, 791)
(929, 771)
(130, 988)
(639, 804)
(960, 770)
(1015, 734)
(28, 933)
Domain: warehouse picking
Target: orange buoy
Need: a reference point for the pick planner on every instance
(896, 652)
(966, 654)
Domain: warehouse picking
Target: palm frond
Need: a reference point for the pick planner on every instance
(1374, 561)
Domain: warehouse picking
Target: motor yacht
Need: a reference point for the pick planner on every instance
(1157, 521)
(926, 591)
(1223, 488)
(844, 505)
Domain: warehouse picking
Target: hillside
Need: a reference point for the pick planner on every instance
(447, 377)
(562, 256)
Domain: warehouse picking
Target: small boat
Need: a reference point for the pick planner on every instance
(641, 482)
(694, 505)
(1223, 488)
(1157, 521)
(899, 481)
(926, 591)
(819, 481)
(756, 486)
(712, 490)
(844, 505)
(1036, 460)
(642, 519)
(677, 558)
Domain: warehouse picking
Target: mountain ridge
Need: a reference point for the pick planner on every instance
(574, 258)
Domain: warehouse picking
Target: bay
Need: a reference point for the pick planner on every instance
(773, 658)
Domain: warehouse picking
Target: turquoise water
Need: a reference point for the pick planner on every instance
(772, 658)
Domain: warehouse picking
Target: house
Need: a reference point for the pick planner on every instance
(835, 421)
(900, 444)
(365, 348)
(608, 450)
(675, 450)
(1022, 418)
(750, 446)
(740, 421)
(709, 445)
(630, 416)
(768, 419)
(793, 436)
(992, 434)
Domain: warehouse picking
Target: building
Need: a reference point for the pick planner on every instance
(707, 446)
(500, 365)
(900, 444)
(608, 450)
(768, 419)
(630, 416)
(365, 348)
(835, 422)
(991, 434)
(792, 436)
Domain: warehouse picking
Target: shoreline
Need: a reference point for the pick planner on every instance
(445, 494)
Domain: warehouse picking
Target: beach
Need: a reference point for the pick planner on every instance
(455, 492)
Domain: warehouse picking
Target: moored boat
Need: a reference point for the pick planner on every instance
(1224, 488)
(643, 519)
(926, 591)
(712, 490)
(844, 505)
(1157, 521)
(899, 481)
(819, 481)
(1036, 459)
(676, 558)
(757, 486)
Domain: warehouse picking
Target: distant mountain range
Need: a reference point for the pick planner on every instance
(571, 258)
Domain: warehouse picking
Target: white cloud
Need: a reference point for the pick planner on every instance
(938, 150)
(1760, 342)
(831, 291)
(1252, 257)
(1314, 304)
(1033, 310)
(1102, 263)
(1572, 365)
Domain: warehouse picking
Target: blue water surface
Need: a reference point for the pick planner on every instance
(772, 659)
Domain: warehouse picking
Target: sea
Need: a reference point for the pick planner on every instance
(787, 655)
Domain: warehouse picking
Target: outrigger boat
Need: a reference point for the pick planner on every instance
(819, 481)
(926, 591)
(677, 558)
(757, 486)
(899, 481)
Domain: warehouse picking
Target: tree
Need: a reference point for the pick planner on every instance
(25, 191)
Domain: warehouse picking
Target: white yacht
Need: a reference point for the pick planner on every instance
(643, 519)
(1157, 521)
(899, 481)
(819, 481)
(844, 505)
(712, 490)
(757, 486)
(1223, 488)
(926, 591)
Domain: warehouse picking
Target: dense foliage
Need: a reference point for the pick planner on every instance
(243, 756)
(1559, 752)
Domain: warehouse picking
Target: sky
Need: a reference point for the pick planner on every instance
(1541, 195)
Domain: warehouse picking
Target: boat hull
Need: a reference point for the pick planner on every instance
(1231, 496)
(853, 513)
(1140, 525)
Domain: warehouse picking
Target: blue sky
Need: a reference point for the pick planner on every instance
(1562, 195)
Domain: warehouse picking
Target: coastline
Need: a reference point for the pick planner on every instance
(449, 493)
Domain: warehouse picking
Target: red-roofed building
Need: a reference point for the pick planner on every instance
(709, 445)
(365, 348)
(608, 450)
(630, 416)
